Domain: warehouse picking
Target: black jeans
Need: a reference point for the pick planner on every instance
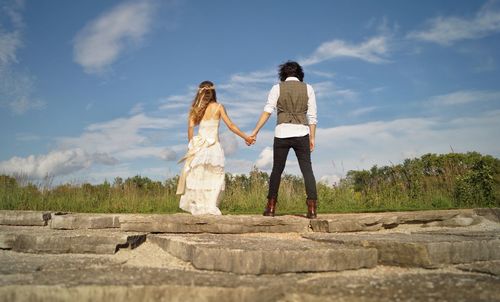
(303, 152)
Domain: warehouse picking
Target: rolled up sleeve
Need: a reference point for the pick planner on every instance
(272, 99)
(312, 117)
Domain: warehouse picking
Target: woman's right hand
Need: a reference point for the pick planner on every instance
(249, 140)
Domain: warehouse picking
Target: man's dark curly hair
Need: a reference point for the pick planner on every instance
(291, 69)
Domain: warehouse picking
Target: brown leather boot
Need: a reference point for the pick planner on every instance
(311, 208)
(271, 206)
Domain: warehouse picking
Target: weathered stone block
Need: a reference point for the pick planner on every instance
(246, 255)
(6, 241)
(492, 214)
(84, 221)
(340, 223)
(37, 240)
(485, 267)
(28, 218)
(226, 224)
(457, 221)
(421, 217)
(427, 250)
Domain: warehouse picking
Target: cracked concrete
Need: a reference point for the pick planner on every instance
(406, 256)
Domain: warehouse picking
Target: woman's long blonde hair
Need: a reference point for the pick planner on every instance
(205, 95)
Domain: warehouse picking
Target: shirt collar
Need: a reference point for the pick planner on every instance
(291, 79)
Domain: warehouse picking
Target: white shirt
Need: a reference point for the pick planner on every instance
(285, 130)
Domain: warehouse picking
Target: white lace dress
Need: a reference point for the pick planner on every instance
(202, 179)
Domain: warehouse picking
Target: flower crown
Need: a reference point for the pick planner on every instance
(206, 88)
(201, 89)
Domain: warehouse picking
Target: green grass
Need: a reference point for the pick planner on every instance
(430, 182)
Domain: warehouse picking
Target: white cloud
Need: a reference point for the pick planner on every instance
(11, 25)
(378, 89)
(102, 40)
(116, 135)
(146, 151)
(448, 30)
(372, 50)
(138, 108)
(265, 160)
(361, 146)
(96, 174)
(464, 97)
(121, 139)
(328, 89)
(16, 88)
(9, 43)
(55, 163)
(229, 143)
(330, 179)
(323, 74)
(266, 77)
(245, 95)
(178, 101)
(362, 111)
(168, 154)
(23, 104)
(238, 166)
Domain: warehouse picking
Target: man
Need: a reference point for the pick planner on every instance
(295, 104)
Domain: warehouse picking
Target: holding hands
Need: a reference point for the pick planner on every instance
(249, 140)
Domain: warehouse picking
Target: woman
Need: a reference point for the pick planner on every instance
(202, 179)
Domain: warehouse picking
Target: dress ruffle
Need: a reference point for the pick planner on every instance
(204, 187)
(213, 155)
(202, 179)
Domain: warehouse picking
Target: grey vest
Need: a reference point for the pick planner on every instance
(292, 103)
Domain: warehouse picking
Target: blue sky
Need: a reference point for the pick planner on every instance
(92, 90)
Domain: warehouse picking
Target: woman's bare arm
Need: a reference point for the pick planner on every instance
(190, 129)
(262, 120)
(233, 127)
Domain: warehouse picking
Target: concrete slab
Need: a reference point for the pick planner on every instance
(226, 224)
(485, 267)
(492, 214)
(78, 277)
(429, 250)
(84, 221)
(44, 240)
(358, 222)
(432, 285)
(28, 218)
(249, 255)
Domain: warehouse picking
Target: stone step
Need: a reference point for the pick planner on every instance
(428, 250)
(79, 277)
(226, 224)
(28, 218)
(485, 267)
(125, 285)
(339, 223)
(84, 221)
(243, 254)
(237, 224)
(44, 240)
(492, 214)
